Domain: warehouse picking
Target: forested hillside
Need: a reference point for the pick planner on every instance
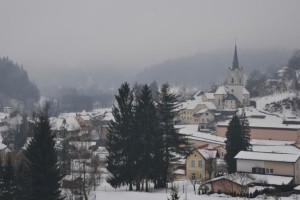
(15, 84)
(206, 69)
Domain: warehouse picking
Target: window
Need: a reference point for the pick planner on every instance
(200, 164)
(232, 90)
(271, 171)
(259, 170)
(240, 80)
(267, 171)
(203, 120)
(232, 80)
(193, 176)
(206, 113)
(193, 163)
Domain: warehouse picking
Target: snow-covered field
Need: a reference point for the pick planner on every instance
(105, 191)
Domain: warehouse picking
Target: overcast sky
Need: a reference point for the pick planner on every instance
(139, 33)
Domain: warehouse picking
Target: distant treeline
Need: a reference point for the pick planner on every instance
(15, 84)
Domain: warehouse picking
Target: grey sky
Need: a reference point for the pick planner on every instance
(139, 33)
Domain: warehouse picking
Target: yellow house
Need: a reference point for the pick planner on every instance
(201, 163)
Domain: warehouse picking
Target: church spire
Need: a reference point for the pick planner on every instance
(235, 63)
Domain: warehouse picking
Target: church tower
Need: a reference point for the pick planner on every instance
(235, 79)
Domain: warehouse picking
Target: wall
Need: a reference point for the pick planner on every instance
(199, 172)
(246, 165)
(266, 133)
(226, 186)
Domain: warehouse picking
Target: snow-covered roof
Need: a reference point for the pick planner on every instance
(198, 94)
(242, 179)
(194, 134)
(202, 111)
(206, 153)
(245, 91)
(2, 146)
(210, 95)
(71, 122)
(108, 116)
(190, 104)
(263, 120)
(288, 149)
(101, 111)
(3, 115)
(179, 172)
(209, 105)
(271, 179)
(221, 90)
(85, 117)
(249, 155)
(271, 142)
(297, 187)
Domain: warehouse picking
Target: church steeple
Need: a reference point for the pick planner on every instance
(235, 63)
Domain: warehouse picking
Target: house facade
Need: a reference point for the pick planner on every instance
(269, 164)
(201, 162)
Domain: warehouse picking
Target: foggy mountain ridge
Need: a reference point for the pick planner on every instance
(200, 70)
(205, 69)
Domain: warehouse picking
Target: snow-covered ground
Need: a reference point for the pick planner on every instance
(262, 101)
(105, 191)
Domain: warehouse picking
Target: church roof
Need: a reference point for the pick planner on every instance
(245, 91)
(221, 90)
(235, 63)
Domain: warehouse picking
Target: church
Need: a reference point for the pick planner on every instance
(233, 94)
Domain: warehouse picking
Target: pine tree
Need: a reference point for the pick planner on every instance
(41, 159)
(174, 143)
(246, 131)
(120, 162)
(234, 143)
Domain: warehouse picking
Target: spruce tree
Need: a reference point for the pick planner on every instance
(147, 128)
(41, 159)
(175, 144)
(234, 143)
(120, 162)
(246, 131)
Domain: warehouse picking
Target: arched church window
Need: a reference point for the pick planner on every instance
(232, 80)
(232, 90)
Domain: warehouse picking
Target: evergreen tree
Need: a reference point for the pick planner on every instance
(1, 179)
(174, 143)
(41, 159)
(9, 189)
(147, 128)
(23, 182)
(64, 154)
(234, 143)
(120, 162)
(21, 134)
(246, 131)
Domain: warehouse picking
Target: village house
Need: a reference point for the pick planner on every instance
(201, 163)
(191, 112)
(280, 164)
(265, 126)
